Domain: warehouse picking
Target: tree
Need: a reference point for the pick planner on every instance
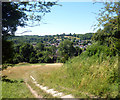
(40, 46)
(11, 18)
(109, 20)
(33, 58)
(74, 35)
(10, 21)
(17, 57)
(63, 34)
(66, 48)
(53, 49)
(17, 48)
(78, 51)
(26, 52)
(70, 34)
(40, 57)
(84, 43)
(7, 51)
(43, 57)
(14, 15)
(17, 13)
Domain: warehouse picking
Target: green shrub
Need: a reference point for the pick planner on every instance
(97, 49)
(33, 60)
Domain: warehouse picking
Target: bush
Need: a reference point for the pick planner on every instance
(97, 49)
(47, 60)
(17, 58)
(33, 60)
(5, 66)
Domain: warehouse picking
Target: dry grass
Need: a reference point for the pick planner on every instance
(22, 72)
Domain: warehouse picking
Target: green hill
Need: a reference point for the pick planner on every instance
(90, 75)
(34, 39)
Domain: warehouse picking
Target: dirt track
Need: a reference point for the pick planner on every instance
(55, 64)
(19, 71)
(23, 72)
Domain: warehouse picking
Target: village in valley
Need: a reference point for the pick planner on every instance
(79, 40)
(52, 48)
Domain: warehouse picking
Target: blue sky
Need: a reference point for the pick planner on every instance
(71, 17)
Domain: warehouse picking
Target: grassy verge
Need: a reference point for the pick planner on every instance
(81, 76)
(15, 89)
(89, 75)
(84, 77)
(52, 77)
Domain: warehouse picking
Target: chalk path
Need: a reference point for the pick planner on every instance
(51, 91)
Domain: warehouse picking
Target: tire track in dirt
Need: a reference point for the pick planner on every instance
(33, 91)
(51, 91)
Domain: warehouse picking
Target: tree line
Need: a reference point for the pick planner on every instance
(50, 38)
(26, 52)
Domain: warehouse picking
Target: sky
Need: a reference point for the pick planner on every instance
(71, 17)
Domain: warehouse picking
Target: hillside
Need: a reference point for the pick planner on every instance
(82, 76)
(90, 75)
(50, 39)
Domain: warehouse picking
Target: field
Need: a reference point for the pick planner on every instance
(13, 85)
(71, 37)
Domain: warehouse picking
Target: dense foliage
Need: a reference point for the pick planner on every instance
(44, 49)
(41, 54)
(91, 73)
(17, 13)
(109, 20)
(7, 53)
(14, 15)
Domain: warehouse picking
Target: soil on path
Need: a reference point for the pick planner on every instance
(33, 91)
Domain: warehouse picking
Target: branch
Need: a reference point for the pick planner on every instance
(24, 32)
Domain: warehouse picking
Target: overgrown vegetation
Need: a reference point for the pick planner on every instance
(87, 74)
(14, 89)
(45, 49)
(95, 71)
(40, 53)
